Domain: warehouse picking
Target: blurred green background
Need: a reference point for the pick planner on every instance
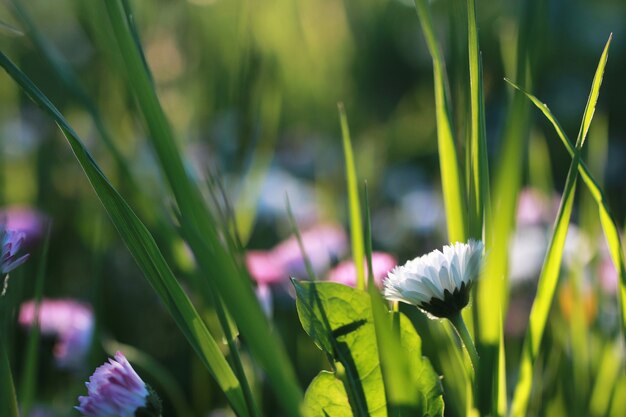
(250, 88)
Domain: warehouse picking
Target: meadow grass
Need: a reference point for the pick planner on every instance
(375, 358)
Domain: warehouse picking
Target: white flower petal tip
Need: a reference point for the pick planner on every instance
(439, 282)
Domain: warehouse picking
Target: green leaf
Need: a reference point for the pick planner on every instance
(550, 270)
(341, 322)
(326, 396)
(451, 179)
(144, 249)
(339, 319)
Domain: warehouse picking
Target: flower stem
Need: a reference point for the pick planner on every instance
(461, 329)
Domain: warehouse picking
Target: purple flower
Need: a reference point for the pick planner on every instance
(115, 390)
(71, 322)
(12, 241)
(345, 272)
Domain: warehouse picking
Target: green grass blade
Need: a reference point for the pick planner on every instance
(145, 251)
(395, 367)
(28, 381)
(549, 273)
(356, 225)
(604, 386)
(507, 182)
(607, 221)
(478, 169)
(8, 400)
(296, 232)
(451, 177)
(217, 264)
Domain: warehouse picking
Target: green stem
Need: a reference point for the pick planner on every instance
(461, 329)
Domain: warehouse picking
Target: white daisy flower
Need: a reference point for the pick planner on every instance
(438, 282)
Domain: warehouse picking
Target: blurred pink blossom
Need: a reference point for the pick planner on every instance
(608, 276)
(265, 267)
(345, 272)
(70, 321)
(26, 220)
(323, 244)
(532, 207)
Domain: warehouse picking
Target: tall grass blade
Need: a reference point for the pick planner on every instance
(28, 382)
(217, 264)
(393, 363)
(507, 182)
(144, 249)
(8, 400)
(478, 169)
(451, 177)
(356, 225)
(550, 271)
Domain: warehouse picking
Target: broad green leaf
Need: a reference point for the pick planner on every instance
(233, 285)
(451, 178)
(550, 270)
(339, 319)
(356, 231)
(144, 249)
(325, 397)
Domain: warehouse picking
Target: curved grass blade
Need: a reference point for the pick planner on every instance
(550, 270)
(145, 251)
(451, 177)
(233, 286)
(356, 230)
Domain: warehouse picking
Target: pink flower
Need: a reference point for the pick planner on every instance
(265, 267)
(345, 272)
(322, 244)
(71, 322)
(26, 220)
(115, 390)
